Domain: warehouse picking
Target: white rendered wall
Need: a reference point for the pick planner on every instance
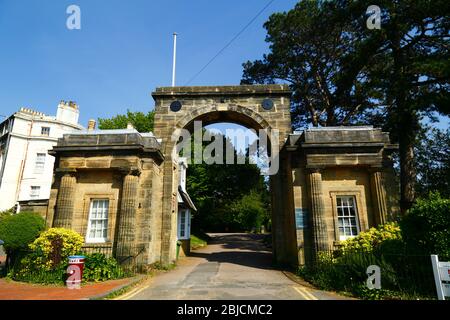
(20, 168)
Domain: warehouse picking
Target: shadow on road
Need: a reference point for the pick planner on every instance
(242, 249)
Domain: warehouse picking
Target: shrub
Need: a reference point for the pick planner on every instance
(47, 262)
(372, 239)
(54, 246)
(426, 227)
(18, 231)
(98, 267)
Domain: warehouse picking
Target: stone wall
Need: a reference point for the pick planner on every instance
(125, 171)
(236, 104)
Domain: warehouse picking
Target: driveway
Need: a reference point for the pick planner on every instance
(233, 266)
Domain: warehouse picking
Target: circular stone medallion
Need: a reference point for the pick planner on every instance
(175, 106)
(267, 104)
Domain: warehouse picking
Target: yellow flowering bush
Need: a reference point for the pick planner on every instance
(371, 239)
(54, 246)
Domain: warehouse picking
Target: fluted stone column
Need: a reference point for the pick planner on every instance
(65, 201)
(125, 250)
(320, 234)
(378, 196)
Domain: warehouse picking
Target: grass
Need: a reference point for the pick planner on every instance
(199, 240)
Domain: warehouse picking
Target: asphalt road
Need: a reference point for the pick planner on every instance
(233, 266)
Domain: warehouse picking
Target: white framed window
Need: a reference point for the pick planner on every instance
(40, 163)
(45, 131)
(184, 224)
(347, 217)
(35, 192)
(97, 231)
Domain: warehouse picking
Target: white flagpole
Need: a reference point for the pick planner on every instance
(174, 58)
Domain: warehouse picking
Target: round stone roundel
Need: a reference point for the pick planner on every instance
(175, 106)
(267, 104)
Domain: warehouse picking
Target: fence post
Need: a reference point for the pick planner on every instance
(437, 277)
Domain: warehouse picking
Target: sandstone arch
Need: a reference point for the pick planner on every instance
(238, 104)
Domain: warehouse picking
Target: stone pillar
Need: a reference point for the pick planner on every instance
(65, 201)
(319, 227)
(125, 248)
(378, 196)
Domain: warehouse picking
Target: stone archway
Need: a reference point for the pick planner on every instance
(258, 107)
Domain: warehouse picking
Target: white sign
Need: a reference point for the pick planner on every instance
(444, 271)
(441, 271)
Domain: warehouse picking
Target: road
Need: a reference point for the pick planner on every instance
(233, 267)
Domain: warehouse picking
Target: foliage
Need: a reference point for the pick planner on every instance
(19, 230)
(47, 261)
(54, 246)
(309, 49)
(372, 239)
(403, 275)
(198, 241)
(433, 162)
(426, 228)
(98, 267)
(218, 190)
(341, 72)
(6, 213)
(140, 121)
(248, 212)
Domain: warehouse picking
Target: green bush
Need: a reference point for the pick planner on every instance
(18, 231)
(98, 267)
(372, 239)
(403, 275)
(426, 227)
(55, 246)
(47, 261)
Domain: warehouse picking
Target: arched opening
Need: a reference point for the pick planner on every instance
(232, 199)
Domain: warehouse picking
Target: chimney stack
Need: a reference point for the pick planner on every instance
(130, 126)
(91, 125)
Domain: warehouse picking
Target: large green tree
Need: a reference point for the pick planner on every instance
(342, 72)
(219, 191)
(142, 122)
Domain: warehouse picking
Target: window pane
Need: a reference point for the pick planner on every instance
(98, 220)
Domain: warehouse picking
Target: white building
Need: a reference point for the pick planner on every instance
(26, 168)
(185, 208)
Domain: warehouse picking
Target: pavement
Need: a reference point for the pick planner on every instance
(233, 267)
(11, 290)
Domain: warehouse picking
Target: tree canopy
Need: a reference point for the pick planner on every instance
(342, 72)
(141, 122)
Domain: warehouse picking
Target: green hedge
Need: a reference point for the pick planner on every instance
(18, 231)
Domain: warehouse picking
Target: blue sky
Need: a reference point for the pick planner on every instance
(123, 51)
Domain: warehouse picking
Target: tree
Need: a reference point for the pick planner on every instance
(341, 72)
(141, 122)
(217, 188)
(309, 49)
(414, 76)
(432, 160)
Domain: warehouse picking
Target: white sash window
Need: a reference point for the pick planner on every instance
(98, 222)
(347, 217)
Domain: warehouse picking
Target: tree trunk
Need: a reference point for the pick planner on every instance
(407, 136)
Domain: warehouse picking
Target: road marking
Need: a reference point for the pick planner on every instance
(135, 291)
(305, 294)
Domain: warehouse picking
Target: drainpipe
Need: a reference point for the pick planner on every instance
(24, 161)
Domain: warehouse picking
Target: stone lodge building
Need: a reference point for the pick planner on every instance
(120, 188)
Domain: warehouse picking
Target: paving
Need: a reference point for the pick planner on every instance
(232, 267)
(10, 290)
